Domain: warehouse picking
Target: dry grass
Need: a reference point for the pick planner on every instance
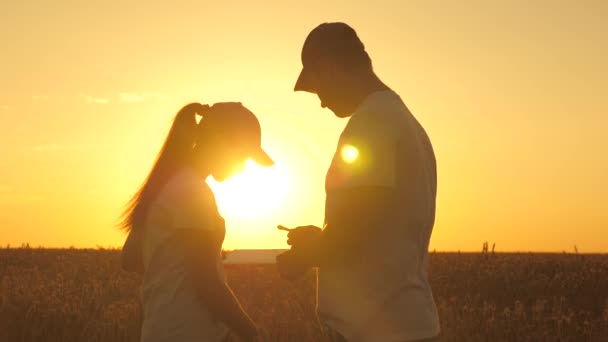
(81, 295)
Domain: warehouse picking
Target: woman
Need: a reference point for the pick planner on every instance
(176, 233)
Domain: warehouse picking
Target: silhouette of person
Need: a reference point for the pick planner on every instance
(176, 232)
(380, 202)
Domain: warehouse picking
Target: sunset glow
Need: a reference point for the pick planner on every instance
(256, 192)
(511, 94)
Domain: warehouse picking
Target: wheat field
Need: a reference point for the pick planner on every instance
(82, 295)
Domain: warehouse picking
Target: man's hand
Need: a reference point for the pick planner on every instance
(303, 236)
(304, 241)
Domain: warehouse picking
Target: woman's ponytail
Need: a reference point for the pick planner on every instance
(176, 151)
(182, 135)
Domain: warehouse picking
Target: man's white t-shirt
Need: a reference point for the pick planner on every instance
(172, 309)
(385, 295)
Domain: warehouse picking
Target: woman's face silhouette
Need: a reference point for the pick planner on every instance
(226, 161)
(226, 171)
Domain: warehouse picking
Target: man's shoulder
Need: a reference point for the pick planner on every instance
(383, 102)
(383, 115)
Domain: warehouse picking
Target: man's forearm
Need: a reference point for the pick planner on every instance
(338, 241)
(354, 216)
(334, 242)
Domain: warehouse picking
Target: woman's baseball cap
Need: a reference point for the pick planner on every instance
(240, 127)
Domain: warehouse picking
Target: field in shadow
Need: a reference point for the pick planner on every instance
(82, 295)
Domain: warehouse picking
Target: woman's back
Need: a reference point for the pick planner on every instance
(173, 310)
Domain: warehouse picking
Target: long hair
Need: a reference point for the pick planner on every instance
(175, 153)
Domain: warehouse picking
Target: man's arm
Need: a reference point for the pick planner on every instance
(361, 190)
(360, 198)
(355, 216)
(202, 259)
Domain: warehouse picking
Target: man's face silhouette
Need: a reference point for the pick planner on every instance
(332, 85)
(334, 65)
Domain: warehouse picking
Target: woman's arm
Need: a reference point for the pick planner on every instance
(131, 258)
(202, 252)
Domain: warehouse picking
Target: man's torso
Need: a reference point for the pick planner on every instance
(383, 293)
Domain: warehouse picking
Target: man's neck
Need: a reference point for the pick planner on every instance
(367, 84)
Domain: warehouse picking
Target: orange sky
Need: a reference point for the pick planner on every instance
(513, 96)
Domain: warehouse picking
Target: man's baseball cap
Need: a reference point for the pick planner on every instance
(336, 40)
(240, 127)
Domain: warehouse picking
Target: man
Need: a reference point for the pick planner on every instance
(380, 202)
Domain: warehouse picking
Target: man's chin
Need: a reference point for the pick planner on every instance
(340, 111)
(342, 114)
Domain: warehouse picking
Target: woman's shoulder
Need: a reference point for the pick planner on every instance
(186, 184)
(188, 180)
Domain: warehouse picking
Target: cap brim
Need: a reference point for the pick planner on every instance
(303, 82)
(262, 158)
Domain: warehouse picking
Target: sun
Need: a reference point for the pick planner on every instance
(256, 192)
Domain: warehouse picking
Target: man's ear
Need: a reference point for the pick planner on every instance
(337, 72)
(328, 67)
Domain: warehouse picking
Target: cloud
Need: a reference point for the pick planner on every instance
(131, 97)
(54, 148)
(40, 97)
(92, 99)
(126, 97)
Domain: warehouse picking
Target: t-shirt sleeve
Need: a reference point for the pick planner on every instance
(366, 156)
(192, 206)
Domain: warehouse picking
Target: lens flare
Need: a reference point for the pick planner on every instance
(349, 153)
